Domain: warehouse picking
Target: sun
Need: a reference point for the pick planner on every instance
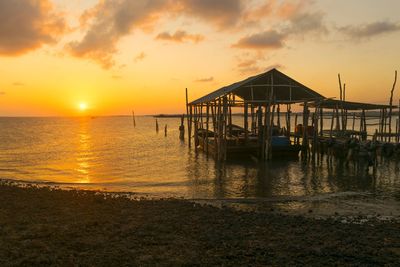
(83, 106)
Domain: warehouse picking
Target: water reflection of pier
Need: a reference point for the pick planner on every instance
(287, 179)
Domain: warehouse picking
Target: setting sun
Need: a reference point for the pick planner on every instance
(83, 106)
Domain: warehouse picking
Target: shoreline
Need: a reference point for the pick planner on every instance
(49, 226)
(347, 206)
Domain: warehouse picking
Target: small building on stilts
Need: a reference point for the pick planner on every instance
(259, 130)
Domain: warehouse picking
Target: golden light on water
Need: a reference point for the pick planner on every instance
(83, 106)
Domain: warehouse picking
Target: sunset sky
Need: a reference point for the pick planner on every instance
(108, 57)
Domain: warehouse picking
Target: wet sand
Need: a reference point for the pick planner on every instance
(46, 226)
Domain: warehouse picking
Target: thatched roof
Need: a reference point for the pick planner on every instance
(332, 104)
(257, 88)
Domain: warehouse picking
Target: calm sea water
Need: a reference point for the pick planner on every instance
(108, 153)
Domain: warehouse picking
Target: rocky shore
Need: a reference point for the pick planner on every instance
(47, 226)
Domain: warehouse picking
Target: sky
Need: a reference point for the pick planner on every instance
(109, 57)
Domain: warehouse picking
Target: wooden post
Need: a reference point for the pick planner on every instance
(225, 111)
(341, 106)
(337, 119)
(260, 132)
(133, 119)
(215, 129)
(278, 116)
(332, 122)
(315, 134)
(190, 119)
(156, 126)
(201, 116)
(296, 137)
(270, 130)
(182, 128)
(363, 126)
(385, 123)
(344, 111)
(253, 128)
(391, 103)
(207, 127)
(354, 121)
(246, 122)
(321, 115)
(188, 116)
(305, 128)
(196, 127)
(219, 122)
(165, 130)
(288, 121)
(230, 114)
(398, 131)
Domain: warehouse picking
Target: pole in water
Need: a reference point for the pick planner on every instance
(182, 129)
(157, 126)
(133, 118)
(165, 130)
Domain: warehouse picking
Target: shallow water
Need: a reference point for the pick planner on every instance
(108, 153)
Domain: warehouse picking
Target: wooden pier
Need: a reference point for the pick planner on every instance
(255, 117)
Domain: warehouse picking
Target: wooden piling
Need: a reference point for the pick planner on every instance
(188, 117)
(207, 127)
(321, 117)
(156, 126)
(182, 128)
(288, 119)
(391, 103)
(133, 118)
(305, 128)
(246, 122)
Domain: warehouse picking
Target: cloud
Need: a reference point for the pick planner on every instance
(140, 57)
(270, 39)
(110, 20)
(248, 66)
(370, 30)
(303, 23)
(116, 77)
(2, 93)
(204, 80)
(289, 9)
(221, 13)
(274, 66)
(180, 37)
(26, 25)
(287, 20)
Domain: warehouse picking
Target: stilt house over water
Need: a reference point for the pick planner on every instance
(260, 99)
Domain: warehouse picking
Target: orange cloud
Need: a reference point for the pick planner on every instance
(180, 37)
(26, 25)
(110, 20)
(288, 9)
(370, 30)
(222, 13)
(140, 57)
(266, 40)
(204, 80)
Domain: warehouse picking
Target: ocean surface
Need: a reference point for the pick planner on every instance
(108, 153)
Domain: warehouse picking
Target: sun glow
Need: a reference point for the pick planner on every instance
(83, 106)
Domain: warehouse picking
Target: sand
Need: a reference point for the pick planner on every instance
(47, 226)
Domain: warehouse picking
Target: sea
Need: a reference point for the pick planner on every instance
(113, 155)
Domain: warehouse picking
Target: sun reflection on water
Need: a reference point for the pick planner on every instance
(84, 154)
